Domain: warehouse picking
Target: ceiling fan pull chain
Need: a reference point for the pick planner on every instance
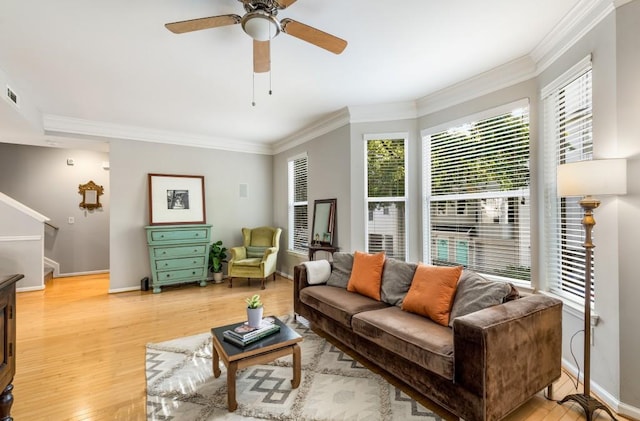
(253, 91)
(270, 36)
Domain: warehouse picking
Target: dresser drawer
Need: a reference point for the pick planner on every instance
(186, 262)
(179, 251)
(178, 254)
(168, 235)
(174, 275)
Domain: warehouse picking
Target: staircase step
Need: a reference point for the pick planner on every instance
(48, 274)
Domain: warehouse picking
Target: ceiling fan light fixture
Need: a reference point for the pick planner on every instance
(260, 25)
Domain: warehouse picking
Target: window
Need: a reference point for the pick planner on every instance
(298, 205)
(567, 138)
(476, 193)
(386, 195)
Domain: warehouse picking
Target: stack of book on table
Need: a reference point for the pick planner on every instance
(244, 334)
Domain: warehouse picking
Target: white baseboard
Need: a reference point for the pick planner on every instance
(629, 411)
(27, 289)
(91, 272)
(607, 398)
(126, 289)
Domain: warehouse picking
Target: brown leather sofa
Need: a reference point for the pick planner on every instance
(488, 364)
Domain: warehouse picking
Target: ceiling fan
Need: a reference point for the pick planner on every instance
(261, 24)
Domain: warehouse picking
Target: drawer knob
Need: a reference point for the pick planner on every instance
(194, 272)
(166, 264)
(162, 236)
(168, 275)
(164, 252)
(197, 234)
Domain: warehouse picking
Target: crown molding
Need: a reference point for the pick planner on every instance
(332, 122)
(76, 126)
(383, 112)
(500, 77)
(581, 19)
(618, 3)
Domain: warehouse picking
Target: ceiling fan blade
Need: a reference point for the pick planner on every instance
(202, 23)
(261, 56)
(283, 4)
(314, 36)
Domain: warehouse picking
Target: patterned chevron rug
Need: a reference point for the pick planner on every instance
(181, 386)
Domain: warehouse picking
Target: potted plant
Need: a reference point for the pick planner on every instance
(254, 311)
(217, 255)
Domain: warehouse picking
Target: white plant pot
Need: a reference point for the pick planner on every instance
(254, 316)
(217, 277)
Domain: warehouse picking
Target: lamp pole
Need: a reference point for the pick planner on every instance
(585, 400)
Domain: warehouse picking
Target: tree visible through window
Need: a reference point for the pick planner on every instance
(386, 196)
(476, 182)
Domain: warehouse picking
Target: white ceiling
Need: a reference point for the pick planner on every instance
(114, 63)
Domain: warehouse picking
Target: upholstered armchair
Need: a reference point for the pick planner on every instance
(258, 255)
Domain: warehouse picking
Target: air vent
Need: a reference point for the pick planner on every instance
(12, 96)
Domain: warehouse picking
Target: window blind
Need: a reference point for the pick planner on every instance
(567, 138)
(386, 196)
(298, 205)
(476, 181)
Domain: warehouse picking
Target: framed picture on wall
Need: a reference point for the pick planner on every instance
(176, 199)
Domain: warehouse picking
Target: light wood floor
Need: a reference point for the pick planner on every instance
(81, 351)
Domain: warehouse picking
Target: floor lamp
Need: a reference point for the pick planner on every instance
(586, 178)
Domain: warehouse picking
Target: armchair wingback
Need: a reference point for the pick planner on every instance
(258, 255)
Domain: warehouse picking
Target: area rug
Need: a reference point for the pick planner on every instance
(334, 386)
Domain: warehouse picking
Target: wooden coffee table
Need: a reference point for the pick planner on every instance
(274, 346)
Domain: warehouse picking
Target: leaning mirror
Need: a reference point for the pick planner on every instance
(324, 218)
(91, 193)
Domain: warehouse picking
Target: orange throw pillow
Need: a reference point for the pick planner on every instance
(432, 291)
(366, 274)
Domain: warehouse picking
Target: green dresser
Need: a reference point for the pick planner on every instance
(178, 254)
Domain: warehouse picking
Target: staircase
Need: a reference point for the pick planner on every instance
(48, 274)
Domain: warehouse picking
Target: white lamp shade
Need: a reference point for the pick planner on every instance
(595, 177)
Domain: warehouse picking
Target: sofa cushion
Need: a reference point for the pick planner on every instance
(341, 269)
(256, 251)
(396, 280)
(431, 292)
(476, 293)
(366, 274)
(337, 303)
(409, 335)
(253, 262)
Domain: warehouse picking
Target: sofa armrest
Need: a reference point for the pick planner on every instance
(299, 282)
(507, 353)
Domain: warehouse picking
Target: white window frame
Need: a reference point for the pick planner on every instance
(366, 138)
(553, 267)
(292, 204)
(426, 180)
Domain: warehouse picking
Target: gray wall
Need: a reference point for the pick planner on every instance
(40, 178)
(628, 144)
(329, 165)
(223, 173)
(606, 365)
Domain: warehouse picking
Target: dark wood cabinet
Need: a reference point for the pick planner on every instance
(7, 342)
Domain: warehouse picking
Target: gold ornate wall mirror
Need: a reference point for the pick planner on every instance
(91, 193)
(324, 220)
